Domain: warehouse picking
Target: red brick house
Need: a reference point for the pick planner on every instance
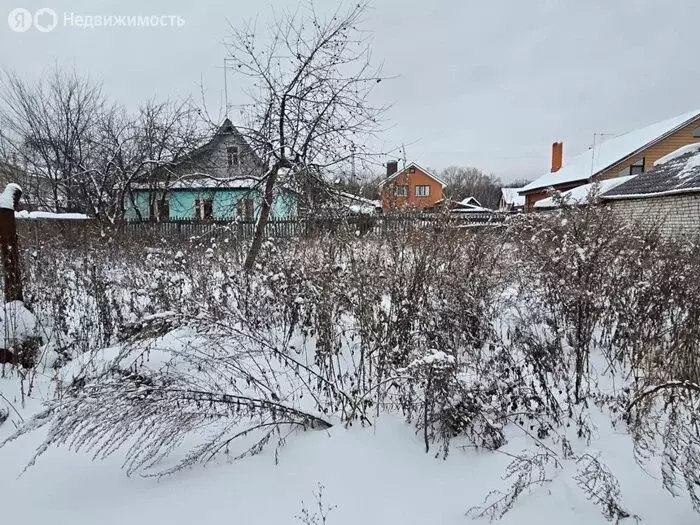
(411, 189)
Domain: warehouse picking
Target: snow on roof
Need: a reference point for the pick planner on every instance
(470, 201)
(414, 165)
(358, 199)
(357, 204)
(201, 182)
(362, 209)
(610, 152)
(469, 208)
(679, 174)
(690, 148)
(512, 197)
(581, 194)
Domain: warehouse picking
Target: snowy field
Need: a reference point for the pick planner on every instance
(371, 475)
(339, 362)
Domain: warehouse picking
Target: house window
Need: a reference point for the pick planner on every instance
(163, 208)
(401, 191)
(422, 191)
(412, 169)
(203, 209)
(637, 167)
(696, 133)
(234, 156)
(159, 209)
(633, 169)
(245, 209)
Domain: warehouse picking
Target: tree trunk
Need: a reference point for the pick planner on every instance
(262, 219)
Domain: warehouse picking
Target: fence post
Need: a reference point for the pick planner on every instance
(8, 242)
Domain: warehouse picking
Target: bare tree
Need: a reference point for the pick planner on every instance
(472, 182)
(159, 136)
(71, 149)
(46, 128)
(517, 183)
(311, 81)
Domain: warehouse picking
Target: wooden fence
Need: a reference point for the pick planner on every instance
(309, 226)
(76, 233)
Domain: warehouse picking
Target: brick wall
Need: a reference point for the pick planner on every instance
(411, 177)
(674, 215)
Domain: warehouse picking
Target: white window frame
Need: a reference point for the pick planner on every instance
(421, 187)
(405, 190)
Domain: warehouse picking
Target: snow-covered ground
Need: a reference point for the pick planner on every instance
(377, 474)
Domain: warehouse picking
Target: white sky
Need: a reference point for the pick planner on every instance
(489, 83)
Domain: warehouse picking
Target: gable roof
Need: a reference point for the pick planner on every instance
(464, 206)
(226, 128)
(470, 201)
(610, 152)
(512, 197)
(414, 165)
(191, 160)
(580, 194)
(676, 173)
(470, 208)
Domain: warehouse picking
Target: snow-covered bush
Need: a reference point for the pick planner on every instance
(469, 335)
(661, 324)
(569, 259)
(631, 298)
(19, 334)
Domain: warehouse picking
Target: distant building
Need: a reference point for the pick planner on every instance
(469, 205)
(358, 205)
(411, 189)
(629, 154)
(511, 200)
(220, 180)
(465, 208)
(666, 197)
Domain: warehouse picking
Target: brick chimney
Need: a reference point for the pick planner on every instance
(557, 156)
(391, 167)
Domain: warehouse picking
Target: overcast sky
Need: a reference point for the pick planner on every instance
(489, 83)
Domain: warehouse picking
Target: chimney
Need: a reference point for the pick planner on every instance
(557, 156)
(392, 167)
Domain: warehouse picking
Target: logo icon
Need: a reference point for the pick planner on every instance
(20, 19)
(45, 19)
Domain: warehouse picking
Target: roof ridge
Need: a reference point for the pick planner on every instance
(416, 165)
(587, 164)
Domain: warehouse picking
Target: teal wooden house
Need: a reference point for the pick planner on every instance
(221, 180)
